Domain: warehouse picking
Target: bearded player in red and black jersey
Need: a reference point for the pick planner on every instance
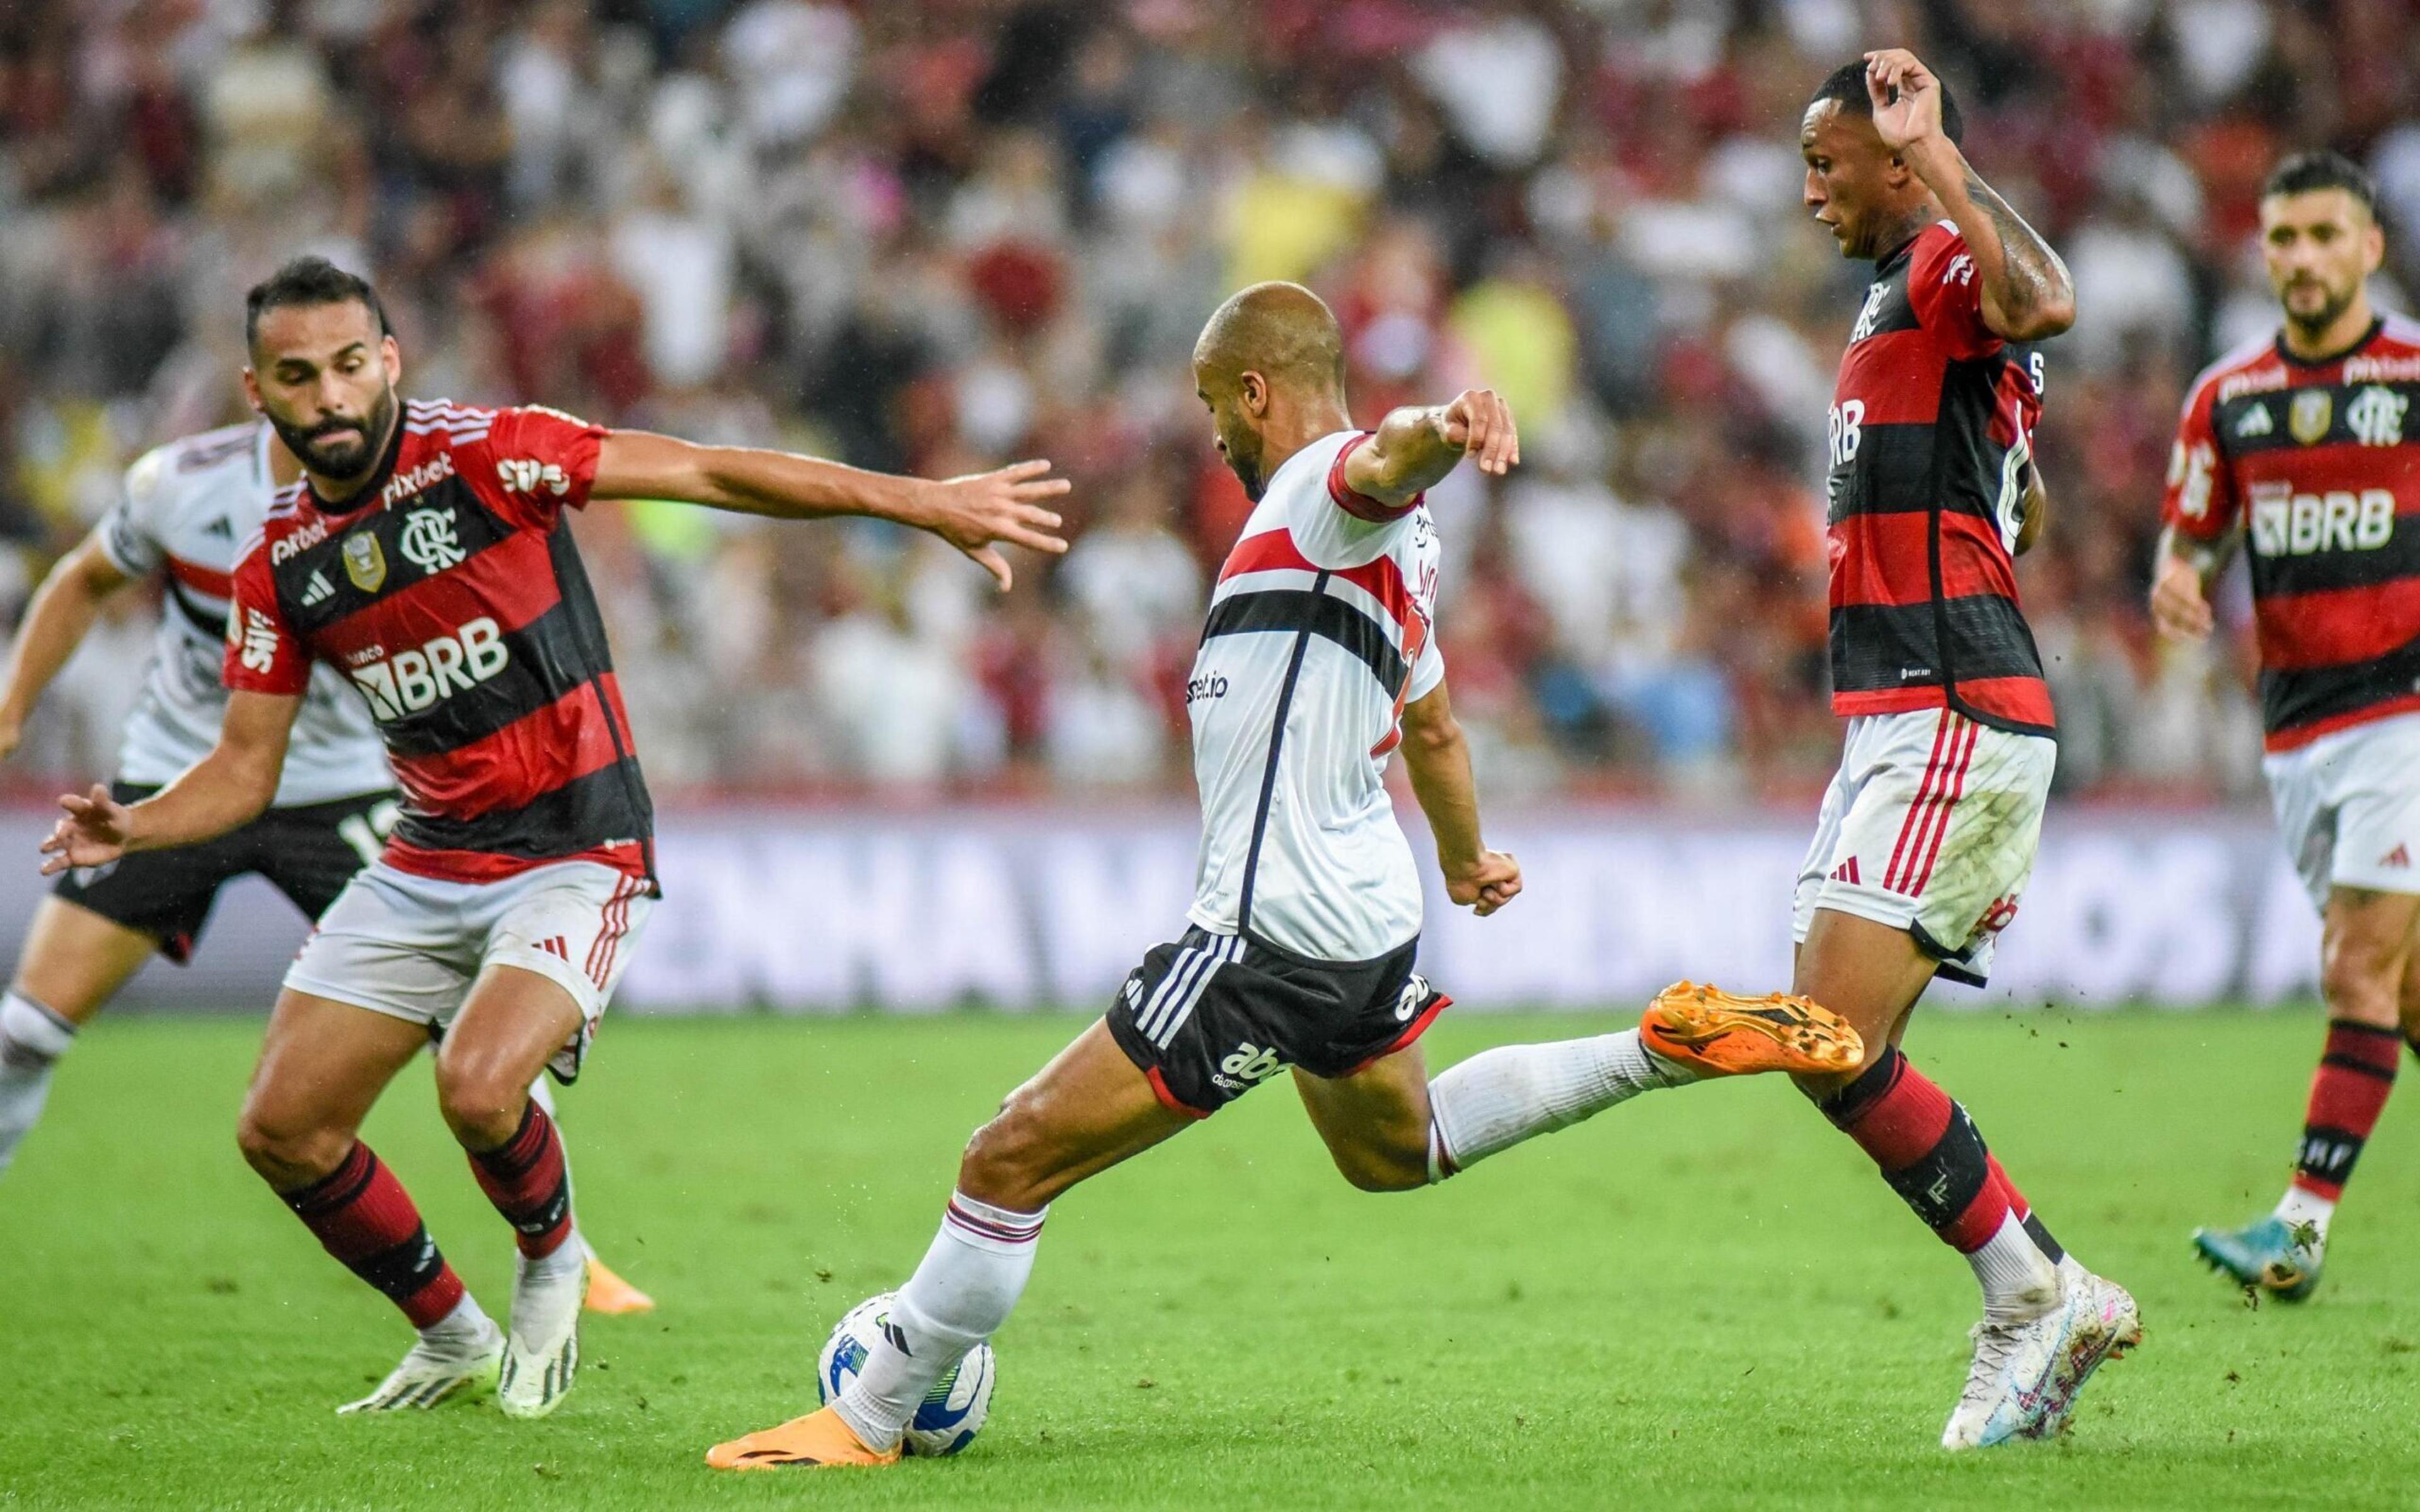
(426, 555)
(2298, 443)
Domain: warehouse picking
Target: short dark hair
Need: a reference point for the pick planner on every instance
(309, 279)
(2304, 172)
(1847, 84)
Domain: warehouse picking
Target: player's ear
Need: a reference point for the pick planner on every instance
(251, 388)
(391, 358)
(1252, 391)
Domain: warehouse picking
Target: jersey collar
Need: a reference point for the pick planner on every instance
(2377, 324)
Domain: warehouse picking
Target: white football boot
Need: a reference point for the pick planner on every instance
(543, 1353)
(2025, 1375)
(432, 1370)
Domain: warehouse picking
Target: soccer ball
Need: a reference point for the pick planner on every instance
(953, 1411)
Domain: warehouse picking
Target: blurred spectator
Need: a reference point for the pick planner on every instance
(933, 237)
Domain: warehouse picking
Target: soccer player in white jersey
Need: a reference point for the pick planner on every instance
(1316, 664)
(184, 509)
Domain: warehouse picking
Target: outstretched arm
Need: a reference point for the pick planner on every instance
(971, 513)
(2026, 292)
(56, 621)
(1418, 445)
(225, 789)
(1438, 760)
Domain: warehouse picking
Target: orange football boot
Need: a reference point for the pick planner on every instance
(610, 1294)
(816, 1439)
(1717, 1033)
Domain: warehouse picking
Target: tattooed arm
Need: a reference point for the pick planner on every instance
(2026, 292)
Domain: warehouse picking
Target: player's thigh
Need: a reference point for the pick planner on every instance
(1090, 1108)
(75, 959)
(322, 1065)
(1374, 1120)
(511, 1023)
(2365, 939)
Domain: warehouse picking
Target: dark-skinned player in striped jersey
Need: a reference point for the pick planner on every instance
(427, 554)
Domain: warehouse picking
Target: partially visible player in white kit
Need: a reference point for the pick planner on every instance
(1317, 665)
(185, 508)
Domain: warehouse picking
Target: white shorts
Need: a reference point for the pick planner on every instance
(1930, 827)
(410, 946)
(2348, 807)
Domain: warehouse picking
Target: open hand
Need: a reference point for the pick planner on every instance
(2180, 610)
(1485, 884)
(93, 833)
(1480, 423)
(975, 510)
(1907, 97)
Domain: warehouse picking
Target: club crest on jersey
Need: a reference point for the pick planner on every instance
(364, 562)
(2308, 417)
(2376, 416)
(429, 539)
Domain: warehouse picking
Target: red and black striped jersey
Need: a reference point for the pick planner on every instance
(2311, 460)
(1932, 429)
(452, 597)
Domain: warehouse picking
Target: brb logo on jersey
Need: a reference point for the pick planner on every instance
(2289, 524)
(410, 680)
(429, 539)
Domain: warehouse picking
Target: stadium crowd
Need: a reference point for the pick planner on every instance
(939, 235)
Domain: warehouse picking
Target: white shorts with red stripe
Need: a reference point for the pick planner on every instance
(2348, 807)
(1930, 827)
(411, 946)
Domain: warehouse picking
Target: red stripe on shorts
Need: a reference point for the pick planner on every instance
(1923, 790)
(1943, 809)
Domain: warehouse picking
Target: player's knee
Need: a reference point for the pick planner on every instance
(1006, 1161)
(2363, 985)
(287, 1150)
(480, 1102)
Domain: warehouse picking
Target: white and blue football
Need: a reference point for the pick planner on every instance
(953, 1411)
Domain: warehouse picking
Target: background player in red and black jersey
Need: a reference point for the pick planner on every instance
(1927, 833)
(2298, 443)
(428, 556)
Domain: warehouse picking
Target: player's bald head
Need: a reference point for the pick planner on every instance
(1283, 331)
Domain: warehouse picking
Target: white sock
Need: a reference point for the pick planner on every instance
(540, 1285)
(959, 1297)
(464, 1331)
(32, 1039)
(1500, 1097)
(2298, 1207)
(2019, 1280)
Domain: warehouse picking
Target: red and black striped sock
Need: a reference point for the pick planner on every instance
(2347, 1093)
(2035, 1228)
(1928, 1149)
(526, 1178)
(365, 1218)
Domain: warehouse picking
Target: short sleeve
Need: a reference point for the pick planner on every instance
(1428, 671)
(1946, 293)
(539, 460)
(1351, 528)
(2201, 498)
(129, 533)
(263, 653)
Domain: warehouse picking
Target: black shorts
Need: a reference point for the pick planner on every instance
(309, 852)
(1211, 1016)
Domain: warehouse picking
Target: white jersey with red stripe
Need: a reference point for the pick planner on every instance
(186, 508)
(1318, 634)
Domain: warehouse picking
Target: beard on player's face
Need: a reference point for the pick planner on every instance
(341, 446)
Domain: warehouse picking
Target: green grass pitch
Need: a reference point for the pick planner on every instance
(1703, 1298)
